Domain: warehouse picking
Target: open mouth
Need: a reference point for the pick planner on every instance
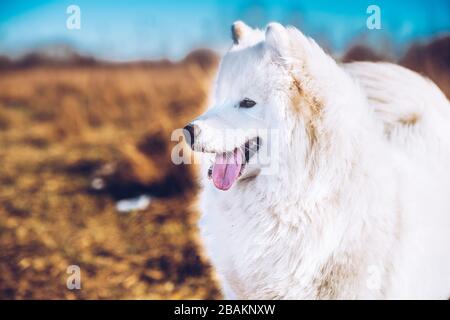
(229, 166)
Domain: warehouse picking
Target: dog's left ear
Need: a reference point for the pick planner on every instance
(239, 30)
(277, 40)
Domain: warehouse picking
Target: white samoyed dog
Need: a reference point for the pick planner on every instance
(351, 199)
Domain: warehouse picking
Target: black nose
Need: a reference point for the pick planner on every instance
(189, 134)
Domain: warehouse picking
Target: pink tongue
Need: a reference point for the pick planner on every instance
(226, 169)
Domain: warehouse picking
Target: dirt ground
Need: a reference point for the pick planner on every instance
(64, 125)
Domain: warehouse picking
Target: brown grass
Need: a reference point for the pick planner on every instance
(360, 52)
(431, 59)
(61, 126)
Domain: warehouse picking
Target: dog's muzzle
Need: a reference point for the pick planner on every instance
(190, 133)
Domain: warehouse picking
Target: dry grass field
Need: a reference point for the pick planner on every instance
(63, 124)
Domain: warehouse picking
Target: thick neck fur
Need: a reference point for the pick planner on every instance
(314, 216)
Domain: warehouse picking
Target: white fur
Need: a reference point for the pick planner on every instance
(363, 212)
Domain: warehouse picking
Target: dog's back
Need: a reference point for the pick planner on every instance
(411, 107)
(416, 121)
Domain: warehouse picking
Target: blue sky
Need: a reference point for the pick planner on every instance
(130, 30)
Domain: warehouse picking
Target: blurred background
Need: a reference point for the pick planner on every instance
(86, 116)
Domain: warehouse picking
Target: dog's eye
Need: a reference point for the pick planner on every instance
(246, 103)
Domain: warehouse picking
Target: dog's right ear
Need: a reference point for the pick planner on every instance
(277, 39)
(239, 30)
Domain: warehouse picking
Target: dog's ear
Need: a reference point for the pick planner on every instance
(277, 39)
(239, 30)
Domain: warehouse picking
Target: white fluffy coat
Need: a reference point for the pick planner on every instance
(360, 210)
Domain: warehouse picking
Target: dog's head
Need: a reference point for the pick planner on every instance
(264, 86)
